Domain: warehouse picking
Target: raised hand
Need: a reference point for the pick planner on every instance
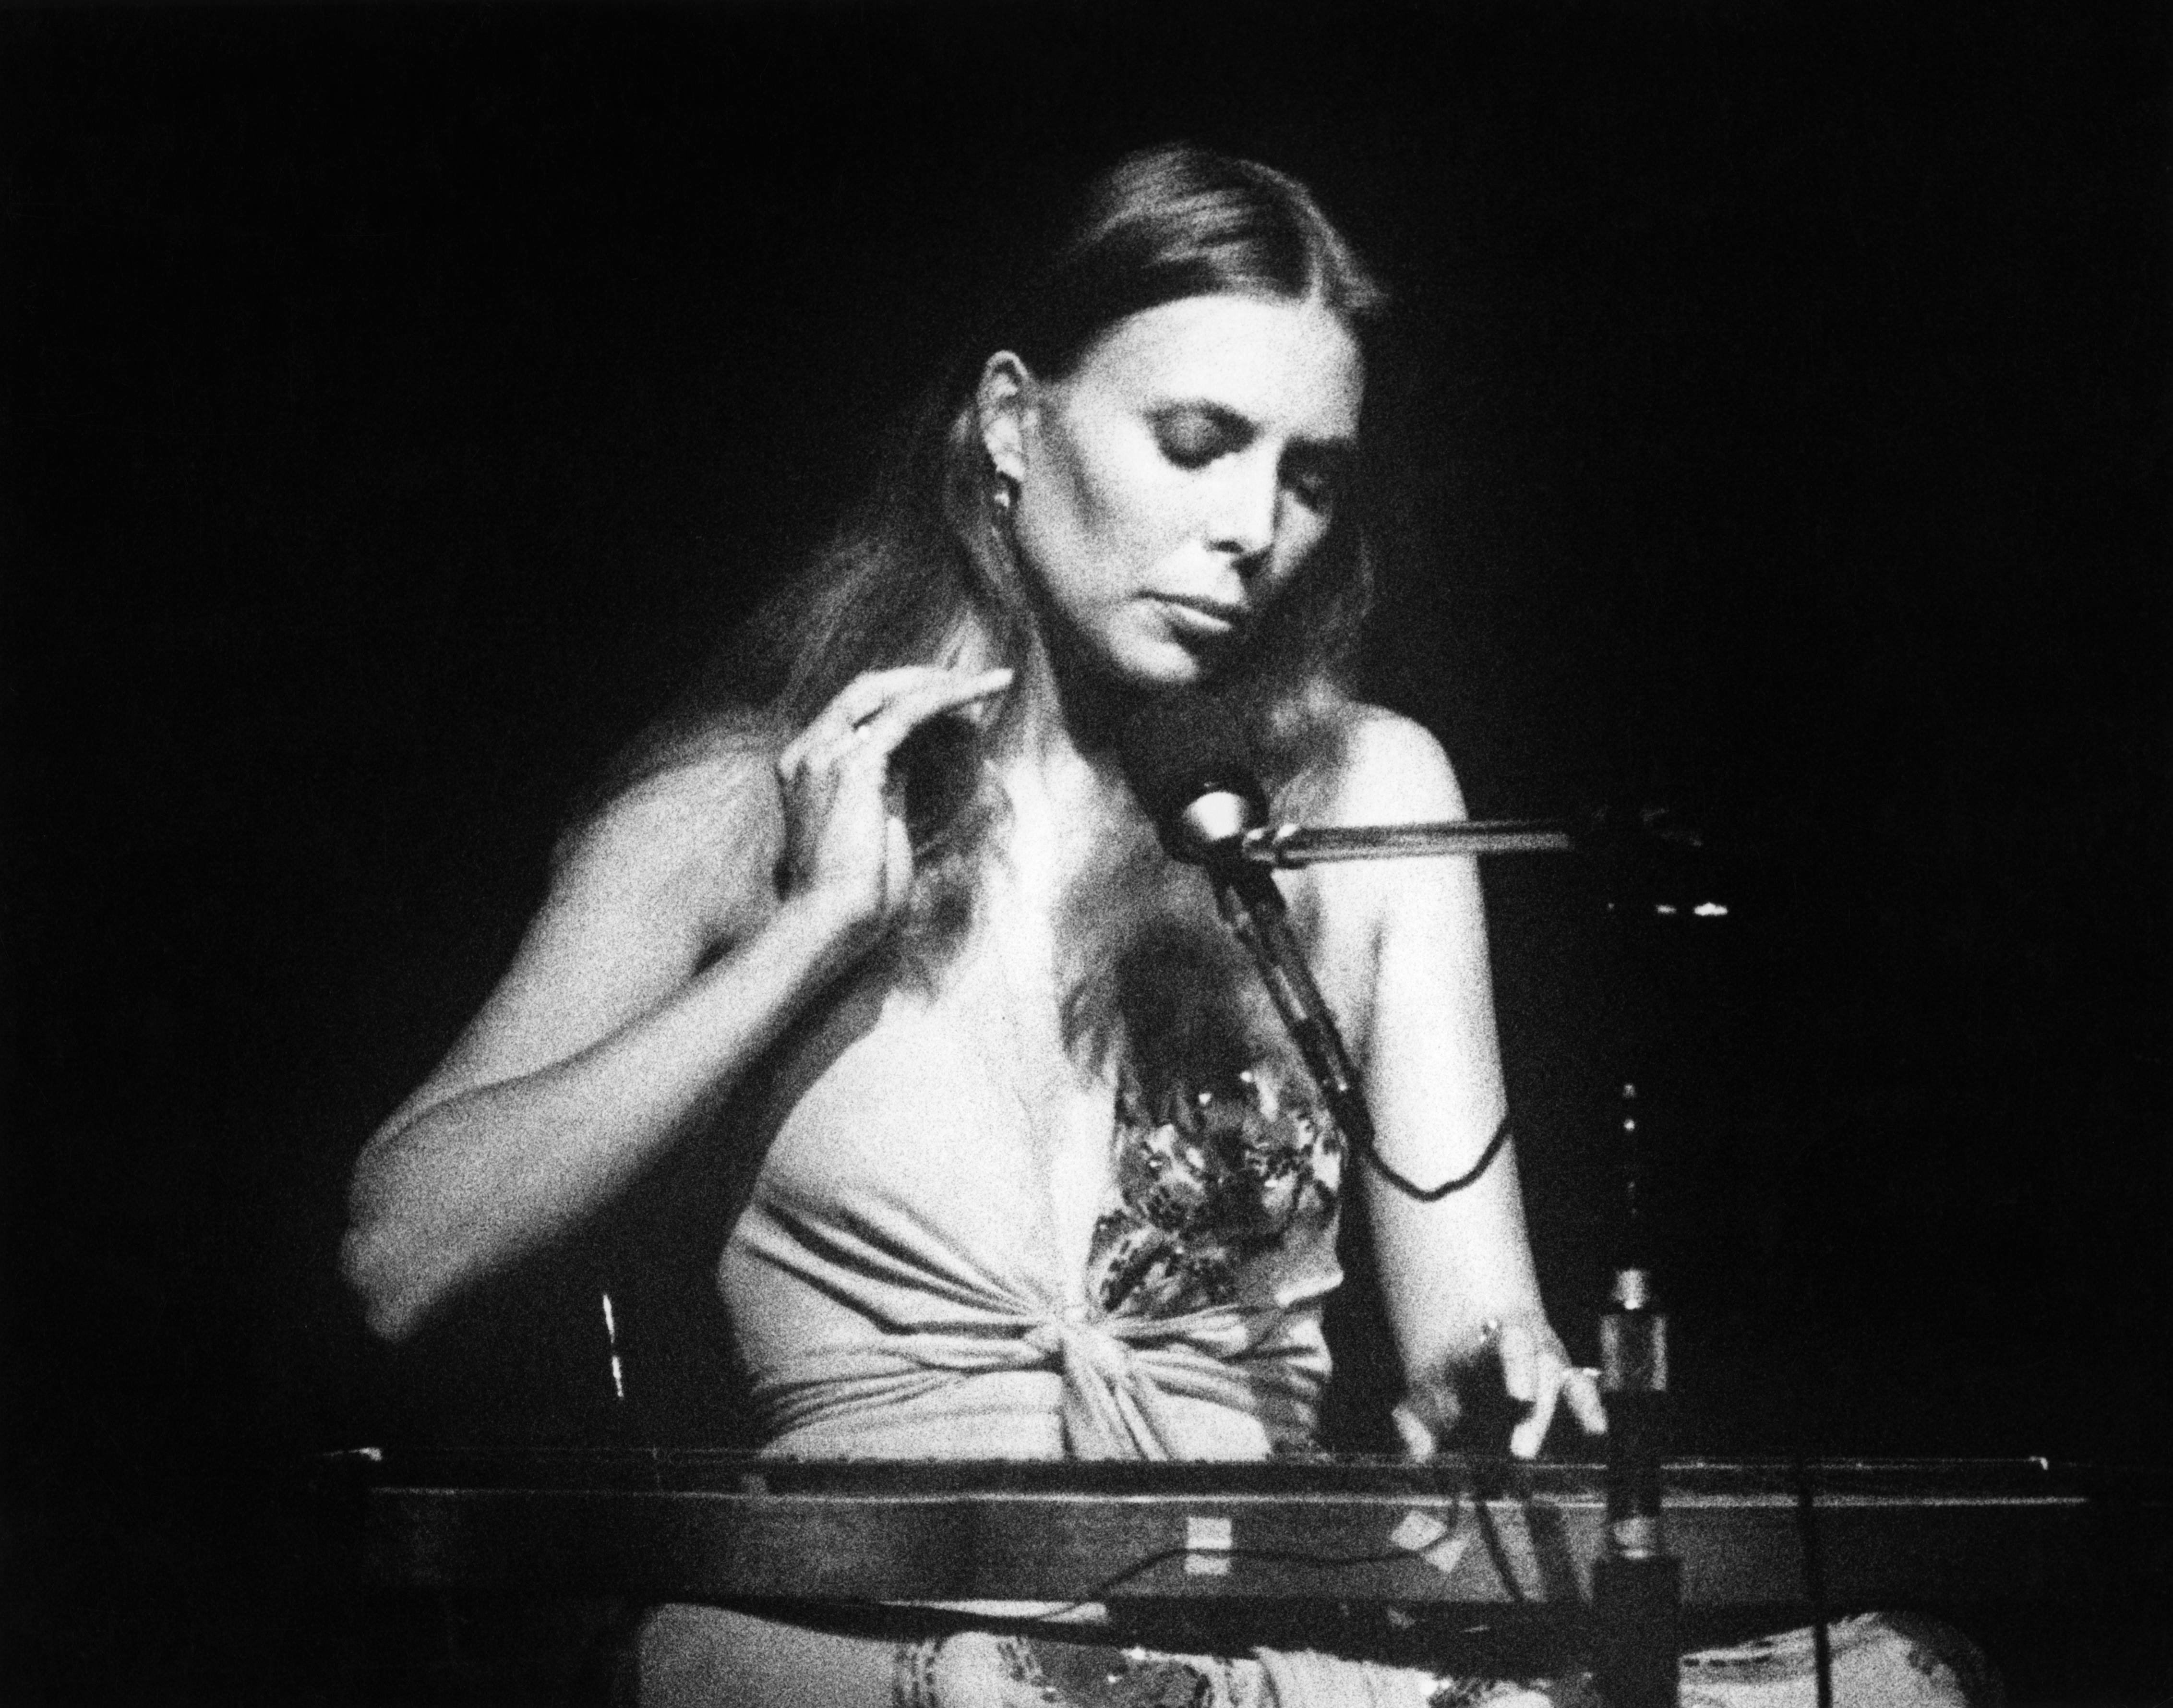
(846, 847)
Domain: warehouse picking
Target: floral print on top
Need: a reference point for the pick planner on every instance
(1206, 1182)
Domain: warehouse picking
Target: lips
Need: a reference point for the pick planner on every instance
(1206, 617)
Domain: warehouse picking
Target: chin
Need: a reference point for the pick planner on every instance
(1167, 669)
(1148, 664)
(1159, 664)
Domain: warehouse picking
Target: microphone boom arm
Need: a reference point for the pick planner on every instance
(1286, 846)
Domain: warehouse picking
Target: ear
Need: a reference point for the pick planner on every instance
(1003, 406)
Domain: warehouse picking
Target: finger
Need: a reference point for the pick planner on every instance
(1433, 1408)
(1581, 1388)
(818, 746)
(1527, 1438)
(894, 814)
(910, 709)
(866, 695)
(943, 691)
(1514, 1345)
(1411, 1429)
(866, 698)
(898, 870)
(820, 757)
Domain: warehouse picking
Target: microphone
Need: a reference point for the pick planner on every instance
(1184, 755)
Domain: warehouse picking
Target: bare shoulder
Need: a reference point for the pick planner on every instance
(1390, 936)
(1387, 767)
(643, 893)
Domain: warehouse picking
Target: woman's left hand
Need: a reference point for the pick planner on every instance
(1525, 1355)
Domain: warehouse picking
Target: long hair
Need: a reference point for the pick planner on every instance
(923, 561)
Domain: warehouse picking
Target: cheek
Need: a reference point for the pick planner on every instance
(1114, 496)
(1298, 537)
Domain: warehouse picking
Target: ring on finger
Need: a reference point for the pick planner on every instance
(1589, 1373)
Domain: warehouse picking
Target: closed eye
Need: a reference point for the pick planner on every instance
(1316, 475)
(1191, 435)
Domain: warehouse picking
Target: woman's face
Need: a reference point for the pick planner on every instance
(1175, 480)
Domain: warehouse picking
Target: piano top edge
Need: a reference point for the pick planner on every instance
(732, 1471)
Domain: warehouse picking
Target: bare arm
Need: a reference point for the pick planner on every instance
(1456, 1275)
(660, 969)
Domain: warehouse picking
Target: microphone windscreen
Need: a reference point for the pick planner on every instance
(1178, 747)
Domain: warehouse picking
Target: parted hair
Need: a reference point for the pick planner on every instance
(924, 561)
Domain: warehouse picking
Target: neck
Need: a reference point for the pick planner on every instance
(1060, 715)
(1074, 711)
(1062, 745)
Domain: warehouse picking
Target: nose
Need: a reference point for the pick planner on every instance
(1243, 521)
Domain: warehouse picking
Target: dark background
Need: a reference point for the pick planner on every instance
(399, 402)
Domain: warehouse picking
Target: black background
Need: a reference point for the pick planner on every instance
(399, 402)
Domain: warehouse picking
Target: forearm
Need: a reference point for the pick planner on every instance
(466, 1185)
(1448, 1269)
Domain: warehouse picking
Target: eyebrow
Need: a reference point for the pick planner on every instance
(1341, 445)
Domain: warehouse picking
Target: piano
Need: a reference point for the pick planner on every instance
(658, 1523)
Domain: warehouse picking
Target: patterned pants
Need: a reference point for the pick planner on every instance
(979, 1669)
(1878, 1662)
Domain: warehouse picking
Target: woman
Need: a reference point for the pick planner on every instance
(1033, 1171)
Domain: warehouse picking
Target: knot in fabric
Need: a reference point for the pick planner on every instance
(1086, 1349)
(1111, 1408)
(1117, 1378)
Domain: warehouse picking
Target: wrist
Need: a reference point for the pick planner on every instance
(822, 930)
(1477, 1335)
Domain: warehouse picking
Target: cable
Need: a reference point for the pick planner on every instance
(1434, 1195)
